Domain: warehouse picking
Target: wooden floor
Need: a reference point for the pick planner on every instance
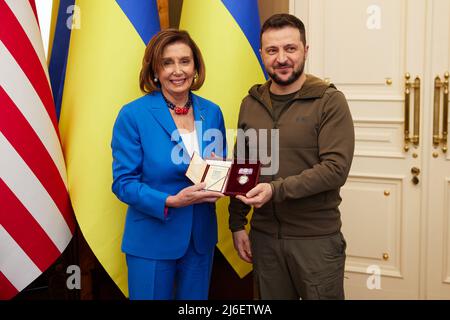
(97, 285)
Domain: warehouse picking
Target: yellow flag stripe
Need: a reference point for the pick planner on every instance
(232, 68)
(102, 75)
(55, 9)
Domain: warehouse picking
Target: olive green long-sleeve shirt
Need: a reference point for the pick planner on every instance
(315, 152)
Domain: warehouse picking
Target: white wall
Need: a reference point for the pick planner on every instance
(44, 9)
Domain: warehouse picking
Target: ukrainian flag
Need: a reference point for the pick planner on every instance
(227, 33)
(107, 43)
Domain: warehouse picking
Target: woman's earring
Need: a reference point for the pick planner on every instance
(155, 79)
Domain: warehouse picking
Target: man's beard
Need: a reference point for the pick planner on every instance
(294, 76)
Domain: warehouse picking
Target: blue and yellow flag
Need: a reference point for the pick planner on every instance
(107, 43)
(63, 12)
(227, 33)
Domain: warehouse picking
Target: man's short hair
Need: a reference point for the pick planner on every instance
(282, 20)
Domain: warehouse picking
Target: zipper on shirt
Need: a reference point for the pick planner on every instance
(275, 126)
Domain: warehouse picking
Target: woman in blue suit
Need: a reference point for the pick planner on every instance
(171, 227)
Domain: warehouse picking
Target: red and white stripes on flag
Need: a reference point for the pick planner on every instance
(36, 219)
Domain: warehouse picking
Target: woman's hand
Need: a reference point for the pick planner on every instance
(214, 157)
(192, 195)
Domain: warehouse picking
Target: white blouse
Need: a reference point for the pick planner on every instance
(191, 142)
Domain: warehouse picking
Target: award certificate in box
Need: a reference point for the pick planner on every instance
(226, 176)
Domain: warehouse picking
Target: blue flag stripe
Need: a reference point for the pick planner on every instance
(60, 51)
(143, 15)
(246, 14)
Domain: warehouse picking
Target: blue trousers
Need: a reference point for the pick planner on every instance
(186, 278)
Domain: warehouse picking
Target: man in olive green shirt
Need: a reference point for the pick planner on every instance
(295, 243)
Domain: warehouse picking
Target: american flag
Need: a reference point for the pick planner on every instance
(36, 219)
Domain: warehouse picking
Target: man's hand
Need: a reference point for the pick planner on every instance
(258, 196)
(242, 245)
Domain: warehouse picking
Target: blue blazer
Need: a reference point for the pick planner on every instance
(143, 147)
